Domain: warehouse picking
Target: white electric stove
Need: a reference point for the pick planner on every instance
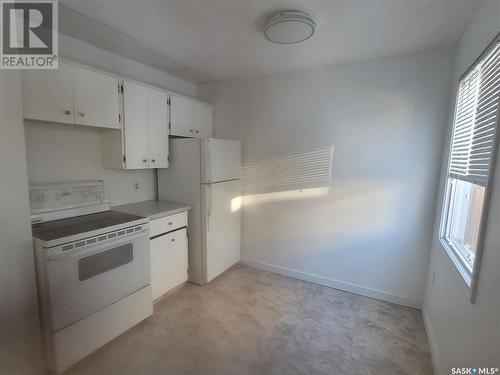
(93, 269)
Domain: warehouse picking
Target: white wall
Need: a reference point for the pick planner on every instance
(386, 119)
(20, 345)
(462, 334)
(58, 153)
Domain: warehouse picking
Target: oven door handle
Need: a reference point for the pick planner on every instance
(94, 249)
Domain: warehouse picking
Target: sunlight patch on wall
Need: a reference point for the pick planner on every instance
(236, 204)
(254, 199)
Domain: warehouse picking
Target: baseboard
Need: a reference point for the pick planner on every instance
(430, 338)
(169, 293)
(325, 281)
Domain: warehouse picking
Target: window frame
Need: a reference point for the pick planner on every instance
(469, 276)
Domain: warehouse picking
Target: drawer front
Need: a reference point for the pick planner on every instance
(168, 223)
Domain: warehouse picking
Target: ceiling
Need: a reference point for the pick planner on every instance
(211, 40)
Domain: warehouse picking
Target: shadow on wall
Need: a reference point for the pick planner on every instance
(346, 231)
(353, 211)
(367, 213)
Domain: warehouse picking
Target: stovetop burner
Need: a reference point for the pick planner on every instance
(53, 230)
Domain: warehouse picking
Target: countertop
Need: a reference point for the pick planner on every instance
(153, 209)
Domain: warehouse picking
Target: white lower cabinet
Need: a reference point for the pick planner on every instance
(169, 261)
(178, 257)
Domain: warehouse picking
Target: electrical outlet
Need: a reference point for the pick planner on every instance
(136, 186)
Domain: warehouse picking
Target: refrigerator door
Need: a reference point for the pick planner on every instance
(222, 226)
(221, 160)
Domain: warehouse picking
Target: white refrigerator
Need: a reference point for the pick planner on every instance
(205, 174)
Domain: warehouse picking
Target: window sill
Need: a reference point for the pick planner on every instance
(464, 273)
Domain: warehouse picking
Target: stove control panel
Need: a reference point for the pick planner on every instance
(53, 201)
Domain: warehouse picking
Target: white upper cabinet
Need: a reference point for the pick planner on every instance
(157, 128)
(48, 94)
(181, 116)
(96, 99)
(190, 118)
(136, 120)
(71, 95)
(143, 141)
(203, 120)
(135, 113)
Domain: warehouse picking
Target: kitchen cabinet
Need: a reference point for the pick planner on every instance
(48, 94)
(169, 254)
(178, 258)
(158, 113)
(181, 116)
(190, 118)
(135, 128)
(71, 95)
(143, 141)
(203, 120)
(96, 99)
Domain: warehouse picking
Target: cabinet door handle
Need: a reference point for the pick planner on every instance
(173, 240)
(144, 160)
(81, 114)
(67, 112)
(153, 160)
(191, 130)
(169, 223)
(197, 131)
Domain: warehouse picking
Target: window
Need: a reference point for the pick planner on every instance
(470, 167)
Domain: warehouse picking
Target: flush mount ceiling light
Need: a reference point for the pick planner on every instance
(289, 26)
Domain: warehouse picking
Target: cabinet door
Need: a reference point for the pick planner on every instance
(203, 120)
(48, 94)
(160, 278)
(181, 116)
(157, 129)
(177, 257)
(96, 99)
(169, 261)
(135, 112)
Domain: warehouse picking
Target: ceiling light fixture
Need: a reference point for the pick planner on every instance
(289, 27)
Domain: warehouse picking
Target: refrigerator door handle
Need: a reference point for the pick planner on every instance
(209, 211)
(209, 167)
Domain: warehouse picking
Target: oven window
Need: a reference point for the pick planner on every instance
(104, 261)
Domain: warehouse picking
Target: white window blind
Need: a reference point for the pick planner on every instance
(310, 169)
(476, 116)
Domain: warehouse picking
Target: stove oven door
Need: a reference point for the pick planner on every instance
(88, 278)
